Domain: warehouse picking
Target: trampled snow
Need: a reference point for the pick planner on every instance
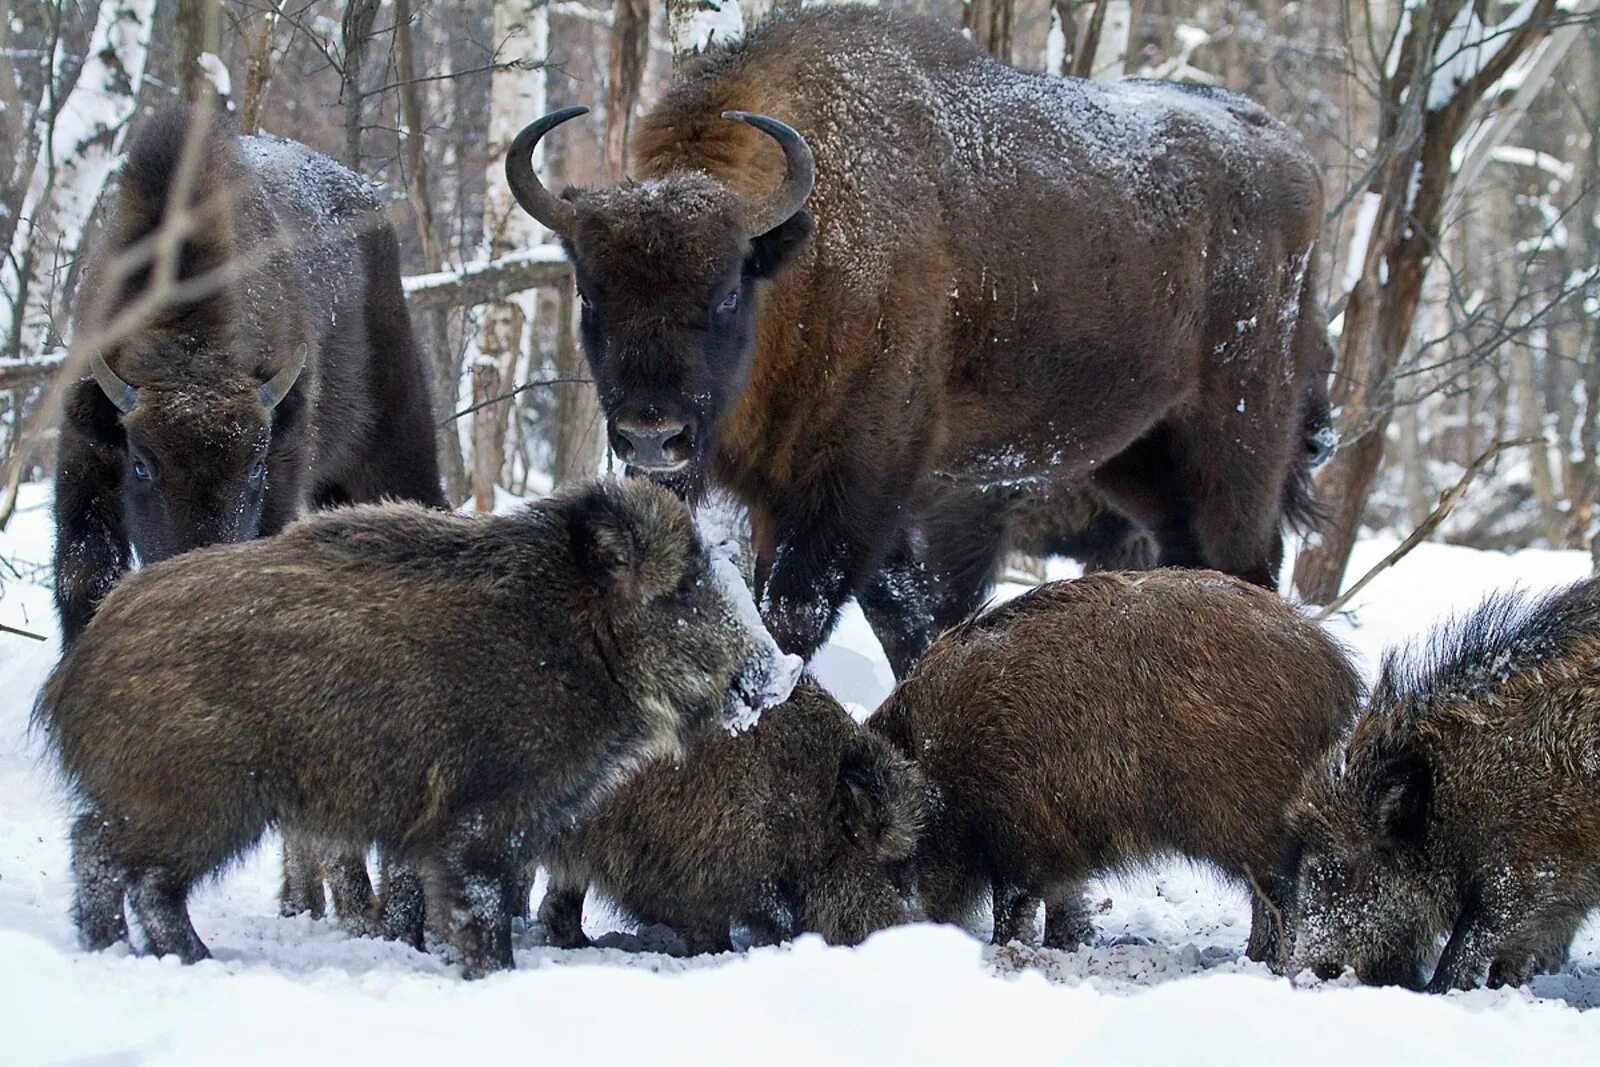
(1166, 983)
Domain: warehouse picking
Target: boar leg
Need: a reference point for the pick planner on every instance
(1066, 920)
(159, 899)
(353, 899)
(707, 939)
(561, 913)
(1015, 914)
(476, 865)
(402, 904)
(302, 878)
(99, 882)
(519, 891)
(1544, 953)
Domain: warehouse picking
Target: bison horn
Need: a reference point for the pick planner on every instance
(554, 213)
(780, 205)
(119, 392)
(273, 390)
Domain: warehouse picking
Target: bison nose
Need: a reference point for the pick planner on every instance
(654, 446)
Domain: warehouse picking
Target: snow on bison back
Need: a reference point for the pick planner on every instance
(936, 267)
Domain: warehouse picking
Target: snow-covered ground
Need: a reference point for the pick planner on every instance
(1166, 983)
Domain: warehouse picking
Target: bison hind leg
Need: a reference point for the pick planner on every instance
(99, 883)
(160, 900)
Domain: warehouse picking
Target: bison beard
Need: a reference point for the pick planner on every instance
(295, 383)
(1015, 282)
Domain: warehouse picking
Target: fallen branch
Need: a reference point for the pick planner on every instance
(483, 281)
(20, 373)
(1447, 503)
(503, 397)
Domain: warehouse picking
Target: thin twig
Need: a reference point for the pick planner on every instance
(1447, 503)
(30, 635)
(491, 401)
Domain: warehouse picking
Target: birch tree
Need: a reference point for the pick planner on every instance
(80, 136)
(522, 33)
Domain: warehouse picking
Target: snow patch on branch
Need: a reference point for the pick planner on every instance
(1355, 259)
(216, 73)
(543, 253)
(1467, 46)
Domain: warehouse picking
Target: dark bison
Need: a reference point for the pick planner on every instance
(456, 689)
(1093, 725)
(222, 414)
(1014, 280)
(1464, 803)
(804, 823)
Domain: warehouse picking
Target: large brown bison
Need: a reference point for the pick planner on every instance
(279, 373)
(1015, 280)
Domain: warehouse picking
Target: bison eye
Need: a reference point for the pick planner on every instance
(730, 302)
(258, 472)
(141, 471)
(583, 298)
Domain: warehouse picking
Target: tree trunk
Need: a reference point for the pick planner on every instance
(630, 48)
(988, 23)
(1421, 130)
(517, 97)
(359, 16)
(258, 68)
(197, 33)
(446, 379)
(695, 25)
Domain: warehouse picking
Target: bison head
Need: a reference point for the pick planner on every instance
(667, 274)
(196, 459)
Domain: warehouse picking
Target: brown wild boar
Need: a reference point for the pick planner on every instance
(1091, 725)
(1465, 802)
(455, 689)
(801, 824)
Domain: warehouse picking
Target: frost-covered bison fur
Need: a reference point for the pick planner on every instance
(220, 417)
(803, 824)
(1464, 804)
(453, 688)
(1096, 724)
(998, 278)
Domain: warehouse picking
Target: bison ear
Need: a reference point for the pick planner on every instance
(771, 251)
(1400, 797)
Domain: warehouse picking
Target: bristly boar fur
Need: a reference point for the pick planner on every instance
(1096, 724)
(453, 688)
(1465, 802)
(803, 824)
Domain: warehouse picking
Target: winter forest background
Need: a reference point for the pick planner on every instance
(1460, 260)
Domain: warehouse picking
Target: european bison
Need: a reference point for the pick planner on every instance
(1464, 803)
(288, 378)
(804, 823)
(456, 689)
(1096, 724)
(1014, 280)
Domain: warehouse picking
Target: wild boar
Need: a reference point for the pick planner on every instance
(453, 688)
(1092, 725)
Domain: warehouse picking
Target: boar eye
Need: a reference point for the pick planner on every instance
(685, 591)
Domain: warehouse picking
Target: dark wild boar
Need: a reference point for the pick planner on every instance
(1465, 802)
(803, 824)
(455, 689)
(1096, 724)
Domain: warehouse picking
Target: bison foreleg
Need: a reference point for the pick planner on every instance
(898, 604)
(92, 549)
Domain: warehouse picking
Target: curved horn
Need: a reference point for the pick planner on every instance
(277, 387)
(779, 206)
(554, 213)
(119, 392)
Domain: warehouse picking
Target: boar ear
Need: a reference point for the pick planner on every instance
(878, 799)
(1400, 796)
(606, 543)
